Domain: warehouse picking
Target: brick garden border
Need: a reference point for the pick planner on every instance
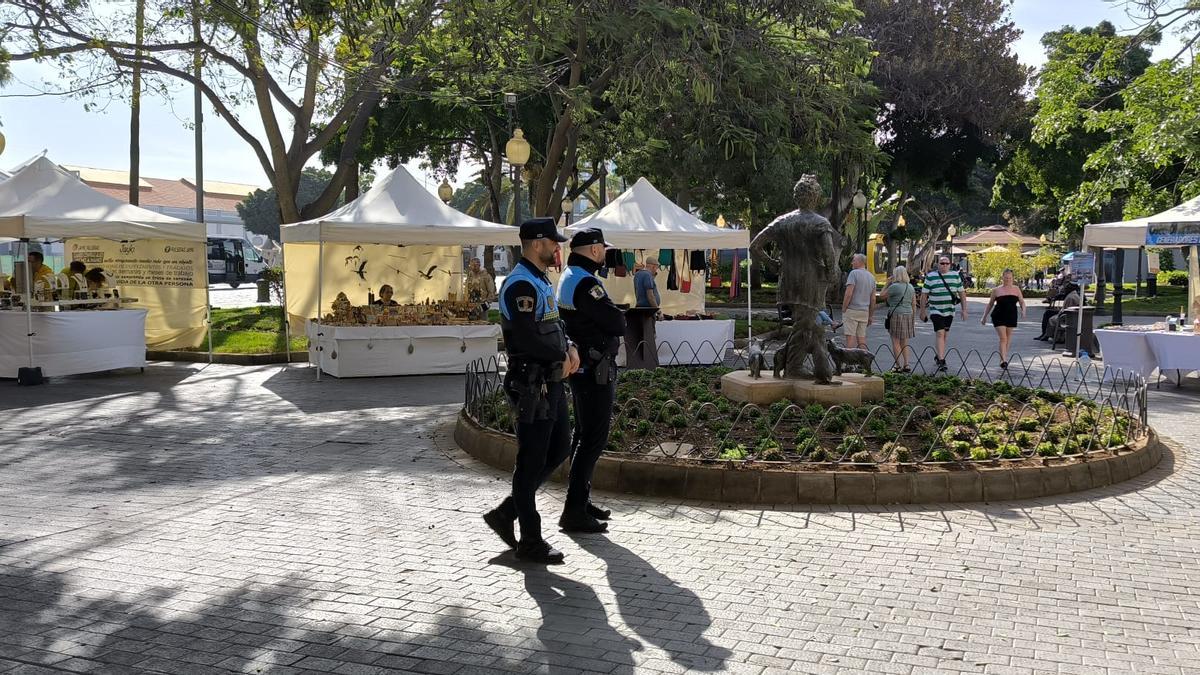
(760, 483)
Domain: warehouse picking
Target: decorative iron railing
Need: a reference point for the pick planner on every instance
(1038, 409)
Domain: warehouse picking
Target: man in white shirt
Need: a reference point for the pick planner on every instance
(858, 305)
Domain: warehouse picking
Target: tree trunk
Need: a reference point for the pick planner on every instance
(352, 186)
(603, 184)
(135, 111)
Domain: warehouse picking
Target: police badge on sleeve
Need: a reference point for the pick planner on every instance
(525, 303)
(597, 292)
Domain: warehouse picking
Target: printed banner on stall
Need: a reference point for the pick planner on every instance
(150, 262)
(1173, 234)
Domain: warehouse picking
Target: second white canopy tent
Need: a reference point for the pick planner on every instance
(644, 220)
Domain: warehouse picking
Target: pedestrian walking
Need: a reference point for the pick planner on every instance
(942, 291)
(1005, 298)
(540, 357)
(901, 300)
(595, 325)
(858, 303)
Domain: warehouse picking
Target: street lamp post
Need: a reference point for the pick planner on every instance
(567, 206)
(860, 203)
(445, 191)
(950, 238)
(517, 153)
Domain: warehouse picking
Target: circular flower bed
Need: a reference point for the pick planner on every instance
(922, 420)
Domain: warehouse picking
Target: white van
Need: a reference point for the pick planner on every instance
(233, 261)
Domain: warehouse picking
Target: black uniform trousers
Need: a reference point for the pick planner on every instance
(542, 445)
(593, 416)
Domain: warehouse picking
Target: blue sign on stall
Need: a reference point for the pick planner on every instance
(1173, 234)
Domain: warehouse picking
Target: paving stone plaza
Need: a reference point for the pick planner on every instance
(198, 519)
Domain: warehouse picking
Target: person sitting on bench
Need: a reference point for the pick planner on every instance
(1057, 322)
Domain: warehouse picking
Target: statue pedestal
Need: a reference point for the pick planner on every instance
(848, 389)
(739, 386)
(872, 386)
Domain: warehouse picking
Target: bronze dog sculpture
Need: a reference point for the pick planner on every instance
(854, 357)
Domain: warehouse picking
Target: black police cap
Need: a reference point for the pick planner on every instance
(589, 236)
(540, 228)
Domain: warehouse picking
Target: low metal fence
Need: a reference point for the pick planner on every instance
(1047, 409)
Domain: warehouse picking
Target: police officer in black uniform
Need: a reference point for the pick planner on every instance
(540, 357)
(596, 325)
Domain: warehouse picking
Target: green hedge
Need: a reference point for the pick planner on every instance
(1173, 278)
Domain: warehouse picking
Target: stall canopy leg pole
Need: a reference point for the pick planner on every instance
(1193, 281)
(320, 349)
(749, 301)
(287, 322)
(208, 314)
(28, 302)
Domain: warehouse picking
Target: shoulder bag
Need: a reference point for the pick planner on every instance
(953, 298)
(887, 320)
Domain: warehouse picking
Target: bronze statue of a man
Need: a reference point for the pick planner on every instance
(806, 246)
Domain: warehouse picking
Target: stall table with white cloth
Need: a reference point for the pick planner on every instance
(1144, 351)
(71, 343)
(690, 343)
(370, 351)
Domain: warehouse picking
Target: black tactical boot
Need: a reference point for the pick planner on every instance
(539, 551)
(502, 525)
(597, 512)
(575, 521)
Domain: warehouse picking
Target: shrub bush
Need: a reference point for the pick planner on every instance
(1173, 278)
(851, 444)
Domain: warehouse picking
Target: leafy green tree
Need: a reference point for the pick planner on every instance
(950, 87)
(1087, 71)
(260, 210)
(312, 72)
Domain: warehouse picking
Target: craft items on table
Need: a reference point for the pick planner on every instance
(429, 313)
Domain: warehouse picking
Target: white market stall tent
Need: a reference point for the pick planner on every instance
(1119, 234)
(157, 259)
(397, 233)
(644, 220)
(1133, 234)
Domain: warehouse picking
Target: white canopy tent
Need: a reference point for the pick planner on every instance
(398, 228)
(1186, 215)
(1133, 233)
(642, 218)
(1119, 234)
(398, 210)
(396, 233)
(44, 201)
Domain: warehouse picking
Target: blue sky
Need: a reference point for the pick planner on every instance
(71, 135)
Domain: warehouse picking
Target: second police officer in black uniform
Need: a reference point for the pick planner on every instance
(596, 325)
(540, 357)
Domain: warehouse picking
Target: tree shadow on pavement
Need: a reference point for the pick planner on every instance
(283, 626)
(299, 387)
(94, 386)
(658, 609)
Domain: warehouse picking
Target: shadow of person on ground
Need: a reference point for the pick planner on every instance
(575, 630)
(658, 609)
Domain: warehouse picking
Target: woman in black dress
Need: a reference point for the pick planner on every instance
(1005, 299)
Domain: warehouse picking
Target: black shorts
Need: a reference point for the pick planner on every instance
(941, 321)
